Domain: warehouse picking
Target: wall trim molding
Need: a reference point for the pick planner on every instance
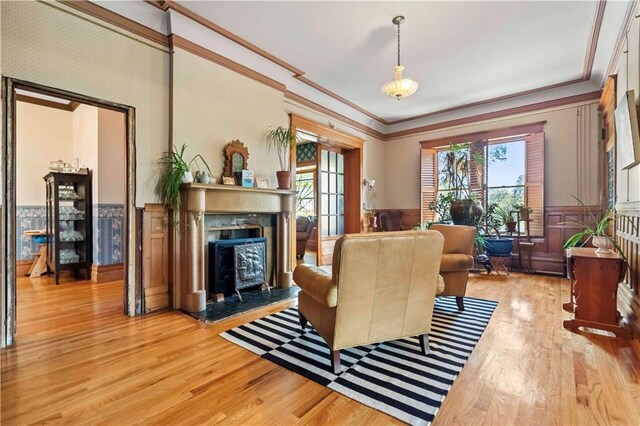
(617, 50)
(104, 273)
(117, 20)
(522, 129)
(496, 114)
(196, 49)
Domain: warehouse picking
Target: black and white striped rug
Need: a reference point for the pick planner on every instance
(393, 377)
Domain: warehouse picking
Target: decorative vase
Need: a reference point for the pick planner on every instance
(524, 213)
(603, 243)
(284, 179)
(187, 177)
(465, 212)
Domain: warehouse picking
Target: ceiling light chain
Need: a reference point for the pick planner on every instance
(400, 87)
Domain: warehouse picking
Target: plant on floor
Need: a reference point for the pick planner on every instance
(174, 171)
(282, 139)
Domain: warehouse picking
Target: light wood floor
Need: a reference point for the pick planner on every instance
(79, 360)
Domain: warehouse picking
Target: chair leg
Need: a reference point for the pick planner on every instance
(424, 344)
(303, 320)
(460, 302)
(335, 361)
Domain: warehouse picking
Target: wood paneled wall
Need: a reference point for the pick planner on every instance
(628, 235)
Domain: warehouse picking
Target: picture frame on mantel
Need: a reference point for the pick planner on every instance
(262, 182)
(228, 180)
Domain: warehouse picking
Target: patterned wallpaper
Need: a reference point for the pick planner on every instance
(107, 232)
(306, 152)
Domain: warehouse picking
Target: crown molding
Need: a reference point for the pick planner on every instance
(496, 114)
(617, 50)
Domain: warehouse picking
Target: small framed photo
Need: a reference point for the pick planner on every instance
(247, 178)
(228, 180)
(262, 183)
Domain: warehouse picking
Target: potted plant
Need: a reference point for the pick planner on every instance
(510, 223)
(496, 217)
(525, 212)
(597, 232)
(455, 175)
(282, 139)
(174, 171)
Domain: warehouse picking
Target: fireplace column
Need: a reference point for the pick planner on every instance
(196, 295)
(285, 275)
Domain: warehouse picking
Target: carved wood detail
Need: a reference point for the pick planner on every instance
(230, 149)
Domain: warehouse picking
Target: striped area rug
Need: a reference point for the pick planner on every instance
(393, 377)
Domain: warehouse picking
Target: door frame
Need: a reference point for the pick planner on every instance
(353, 148)
(132, 295)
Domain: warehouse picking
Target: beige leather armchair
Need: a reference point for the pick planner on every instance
(457, 259)
(383, 288)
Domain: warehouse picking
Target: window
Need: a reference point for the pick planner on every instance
(503, 169)
(305, 193)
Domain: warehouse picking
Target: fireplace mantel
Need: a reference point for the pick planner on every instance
(200, 199)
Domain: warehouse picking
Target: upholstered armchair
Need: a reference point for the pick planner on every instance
(457, 259)
(383, 287)
(304, 226)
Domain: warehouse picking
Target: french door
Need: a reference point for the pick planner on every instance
(331, 200)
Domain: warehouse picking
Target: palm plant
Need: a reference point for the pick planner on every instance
(173, 167)
(282, 139)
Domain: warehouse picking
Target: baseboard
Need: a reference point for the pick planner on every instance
(104, 273)
(629, 306)
(22, 267)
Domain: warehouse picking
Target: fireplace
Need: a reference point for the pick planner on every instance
(236, 265)
(205, 218)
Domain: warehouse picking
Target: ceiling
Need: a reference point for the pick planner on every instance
(459, 52)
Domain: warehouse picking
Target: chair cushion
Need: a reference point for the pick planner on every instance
(440, 287)
(456, 263)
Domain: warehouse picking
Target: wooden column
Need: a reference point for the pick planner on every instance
(195, 297)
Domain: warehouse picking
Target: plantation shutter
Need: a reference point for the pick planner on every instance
(534, 181)
(428, 187)
(477, 164)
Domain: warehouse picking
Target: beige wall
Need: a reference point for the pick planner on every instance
(85, 143)
(628, 70)
(47, 43)
(112, 140)
(214, 105)
(564, 163)
(44, 135)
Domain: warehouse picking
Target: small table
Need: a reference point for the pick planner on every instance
(594, 290)
(39, 266)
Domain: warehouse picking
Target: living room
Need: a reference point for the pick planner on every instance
(536, 127)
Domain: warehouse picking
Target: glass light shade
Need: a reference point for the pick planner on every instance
(400, 87)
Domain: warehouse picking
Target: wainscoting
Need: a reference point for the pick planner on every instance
(410, 218)
(28, 218)
(628, 232)
(107, 233)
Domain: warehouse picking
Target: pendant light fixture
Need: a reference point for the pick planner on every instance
(400, 87)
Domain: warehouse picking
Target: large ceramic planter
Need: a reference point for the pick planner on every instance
(465, 212)
(498, 246)
(284, 179)
(187, 177)
(603, 243)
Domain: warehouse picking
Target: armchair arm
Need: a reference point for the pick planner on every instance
(456, 263)
(317, 284)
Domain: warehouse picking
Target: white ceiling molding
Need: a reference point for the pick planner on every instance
(141, 12)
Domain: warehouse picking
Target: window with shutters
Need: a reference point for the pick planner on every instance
(505, 169)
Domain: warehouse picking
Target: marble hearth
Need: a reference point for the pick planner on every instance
(199, 201)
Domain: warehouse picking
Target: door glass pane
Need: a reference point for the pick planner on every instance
(340, 225)
(333, 166)
(324, 161)
(340, 163)
(340, 185)
(324, 184)
(324, 204)
(325, 226)
(333, 205)
(341, 204)
(333, 228)
(332, 182)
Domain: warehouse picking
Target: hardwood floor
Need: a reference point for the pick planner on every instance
(79, 360)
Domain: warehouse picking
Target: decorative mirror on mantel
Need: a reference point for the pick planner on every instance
(236, 156)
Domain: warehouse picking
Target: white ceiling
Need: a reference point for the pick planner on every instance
(459, 52)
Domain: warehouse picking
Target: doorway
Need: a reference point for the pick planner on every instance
(66, 220)
(336, 173)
